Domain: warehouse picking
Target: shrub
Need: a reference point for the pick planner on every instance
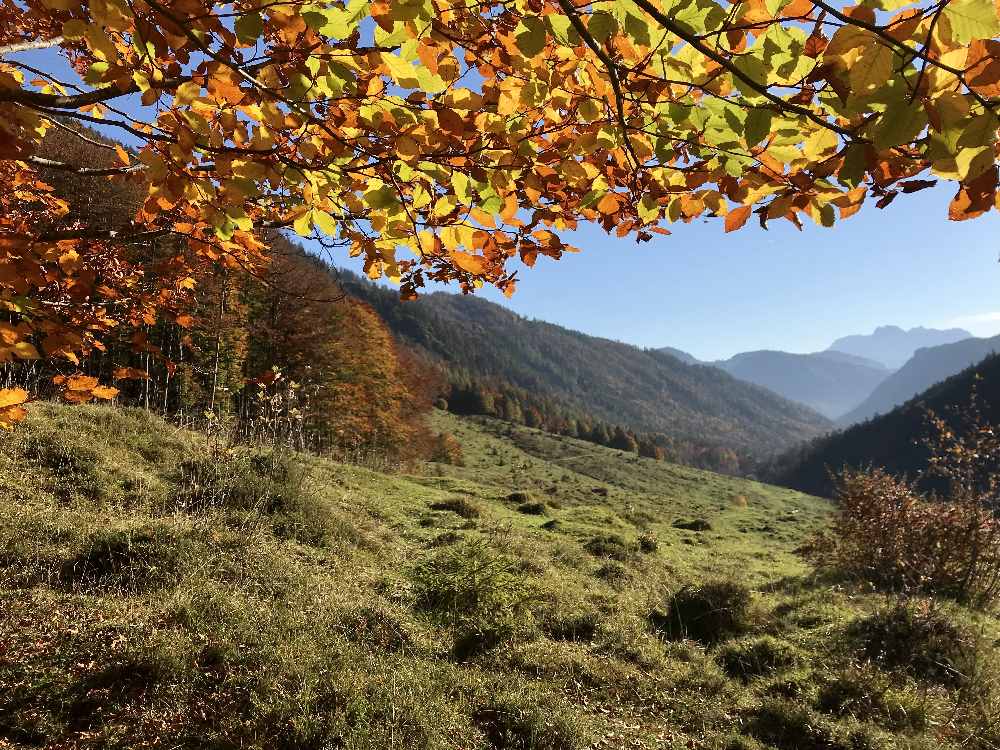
(482, 593)
(446, 450)
(514, 721)
(708, 613)
(520, 497)
(469, 578)
(889, 533)
(787, 725)
(867, 695)
(461, 506)
(918, 639)
(612, 571)
(611, 546)
(694, 524)
(377, 628)
(571, 626)
(128, 560)
(648, 542)
(737, 742)
(755, 657)
(269, 484)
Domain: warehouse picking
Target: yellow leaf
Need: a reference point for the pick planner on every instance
(24, 350)
(105, 392)
(12, 397)
(187, 92)
(69, 261)
(74, 29)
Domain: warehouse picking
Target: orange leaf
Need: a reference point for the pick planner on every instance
(473, 264)
(105, 392)
(122, 154)
(608, 204)
(737, 217)
(12, 397)
(129, 373)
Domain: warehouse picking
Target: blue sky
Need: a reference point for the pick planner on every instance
(715, 294)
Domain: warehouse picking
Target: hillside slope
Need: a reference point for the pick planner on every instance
(892, 440)
(829, 382)
(928, 366)
(162, 589)
(893, 346)
(645, 389)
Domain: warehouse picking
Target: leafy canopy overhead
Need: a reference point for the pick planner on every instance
(438, 139)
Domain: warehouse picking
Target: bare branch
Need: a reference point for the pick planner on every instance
(10, 49)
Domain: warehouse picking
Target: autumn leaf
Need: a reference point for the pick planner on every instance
(473, 264)
(11, 409)
(736, 218)
(129, 373)
(608, 204)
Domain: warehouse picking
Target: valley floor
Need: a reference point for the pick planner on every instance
(162, 589)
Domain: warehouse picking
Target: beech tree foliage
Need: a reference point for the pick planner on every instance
(439, 139)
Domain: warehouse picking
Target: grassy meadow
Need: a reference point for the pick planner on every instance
(162, 588)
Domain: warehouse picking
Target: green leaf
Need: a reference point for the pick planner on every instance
(821, 144)
(753, 68)
(901, 123)
(602, 25)
(972, 19)
(249, 27)
(530, 35)
(872, 69)
(638, 29)
(854, 167)
(562, 29)
(757, 126)
(381, 196)
(774, 6)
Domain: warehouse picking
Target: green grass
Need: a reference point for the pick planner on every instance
(159, 589)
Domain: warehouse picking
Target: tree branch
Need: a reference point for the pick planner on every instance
(616, 85)
(38, 161)
(10, 49)
(902, 47)
(726, 63)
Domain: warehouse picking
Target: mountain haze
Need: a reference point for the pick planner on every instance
(829, 382)
(644, 389)
(893, 346)
(927, 367)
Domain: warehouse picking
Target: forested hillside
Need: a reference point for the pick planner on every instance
(894, 440)
(928, 366)
(646, 389)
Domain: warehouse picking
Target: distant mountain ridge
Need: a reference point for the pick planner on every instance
(893, 441)
(644, 389)
(894, 346)
(829, 382)
(928, 366)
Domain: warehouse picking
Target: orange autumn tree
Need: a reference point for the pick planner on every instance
(439, 139)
